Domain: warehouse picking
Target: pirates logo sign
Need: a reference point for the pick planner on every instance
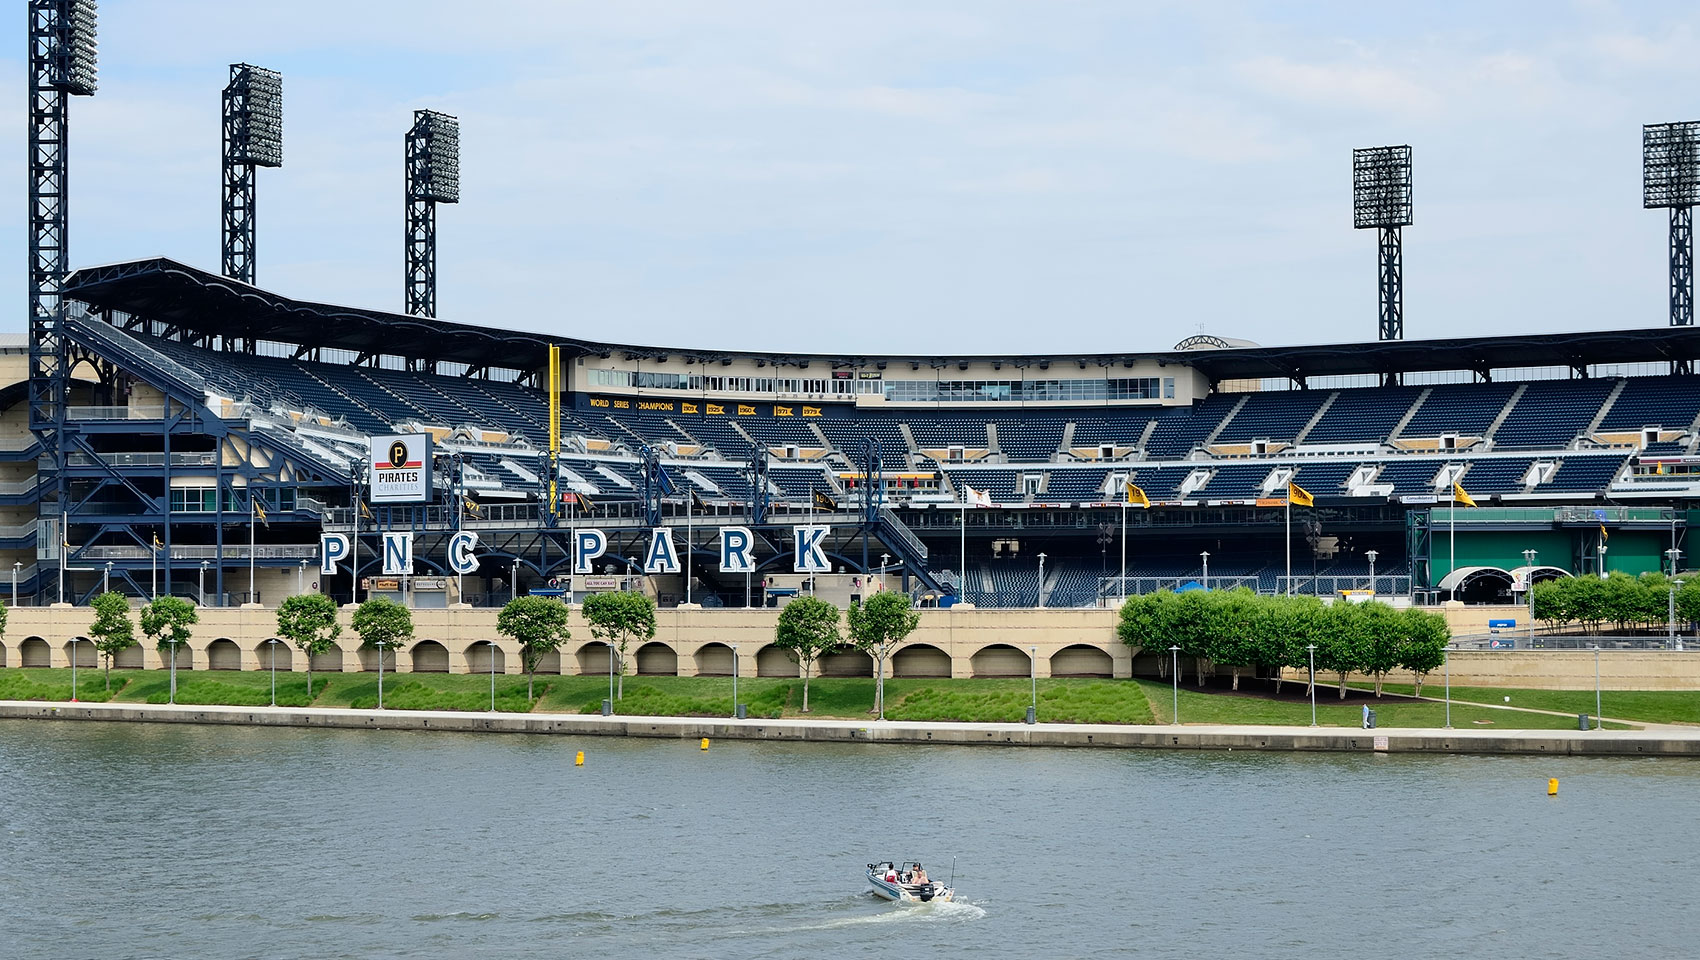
(401, 468)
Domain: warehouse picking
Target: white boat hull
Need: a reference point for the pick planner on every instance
(933, 892)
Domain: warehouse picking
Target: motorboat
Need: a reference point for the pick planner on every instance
(897, 881)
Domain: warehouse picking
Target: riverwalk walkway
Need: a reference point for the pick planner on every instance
(1670, 741)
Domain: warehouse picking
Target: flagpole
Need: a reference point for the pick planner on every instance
(1452, 531)
(251, 546)
(962, 578)
(690, 498)
(1289, 510)
(1121, 587)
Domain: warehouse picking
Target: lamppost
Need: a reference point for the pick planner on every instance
(1675, 585)
(380, 675)
(1602, 561)
(172, 698)
(513, 586)
(1175, 682)
(1446, 661)
(734, 681)
(632, 571)
(301, 578)
(1371, 555)
(1205, 555)
(74, 648)
(1312, 649)
(885, 558)
(1033, 676)
(1673, 555)
(1039, 600)
(611, 652)
(201, 587)
(1529, 588)
(16, 566)
(1596, 686)
(492, 646)
(270, 645)
(106, 578)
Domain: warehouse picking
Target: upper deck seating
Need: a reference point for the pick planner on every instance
(1363, 414)
(1669, 402)
(1466, 409)
(1273, 415)
(1550, 414)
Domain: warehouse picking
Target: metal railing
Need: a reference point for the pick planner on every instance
(230, 551)
(136, 412)
(206, 459)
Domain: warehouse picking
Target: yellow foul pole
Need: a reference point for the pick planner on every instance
(554, 425)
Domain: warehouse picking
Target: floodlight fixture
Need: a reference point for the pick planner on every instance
(1381, 200)
(253, 137)
(1670, 179)
(432, 173)
(62, 64)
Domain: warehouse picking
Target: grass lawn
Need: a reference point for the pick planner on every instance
(1061, 700)
(1648, 706)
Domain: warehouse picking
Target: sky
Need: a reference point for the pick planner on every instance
(903, 177)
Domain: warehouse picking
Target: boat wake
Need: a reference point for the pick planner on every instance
(956, 911)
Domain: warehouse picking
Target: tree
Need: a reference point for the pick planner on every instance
(877, 625)
(112, 631)
(1424, 644)
(617, 619)
(1382, 630)
(1339, 640)
(808, 627)
(538, 625)
(308, 620)
(166, 620)
(1231, 625)
(383, 624)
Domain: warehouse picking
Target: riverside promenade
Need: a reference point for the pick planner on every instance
(1653, 740)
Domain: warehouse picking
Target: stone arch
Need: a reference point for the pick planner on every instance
(595, 658)
(83, 649)
(280, 653)
(1001, 660)
(714, 660)
(920, 660)
(656, 659)
(331, 661)
(368, 657)
(774, 662)
(3, 653)
(484, 657)
(34, 652)
(185, 657)
(1081, 660)
(129, 658)
(429, 656)
(846, 662)
(224, 654)
(549, 662)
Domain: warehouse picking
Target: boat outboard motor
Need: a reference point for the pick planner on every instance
(926, 893)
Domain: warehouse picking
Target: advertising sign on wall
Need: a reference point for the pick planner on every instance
(401, 468)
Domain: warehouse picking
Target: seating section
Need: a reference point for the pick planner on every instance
(1363, 414)
(1030, 441)
(1496, 476)
(1182, 430)
(1076, 485)
(1410, 478)
(1275, 415)
(1123, 429)
(1550, 414)
(1324, 479)
(1585, 474)
(721, 435)
(846, 437)
(1670, 402)
(778, 433)
(933, 433)
(1238, 481)
(1466, 409)
(1001, 484)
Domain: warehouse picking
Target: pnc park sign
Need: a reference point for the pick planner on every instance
(737, 550)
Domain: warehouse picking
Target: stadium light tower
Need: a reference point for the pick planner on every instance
(253, 137)
(1670, 178)
(62, 65)
(1381, 198)
(433, 177)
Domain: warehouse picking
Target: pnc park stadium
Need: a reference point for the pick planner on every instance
(187, 430)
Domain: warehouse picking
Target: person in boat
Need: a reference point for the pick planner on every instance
(919, 875)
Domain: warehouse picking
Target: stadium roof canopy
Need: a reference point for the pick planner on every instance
(196, 301)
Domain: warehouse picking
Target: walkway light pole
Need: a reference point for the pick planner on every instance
(106, 578)
(1175, 682)
(1039, 599)
(74, 642)
(492, 646)
(173, 694)
(734, 681)
(16, 566)
(271, 645)
(1673, 555)
(1670, 640)
(1529, 588)
(1446, 661)
(1033, 676)
(1205, 554)
(1371, 555)
(1312, 649)
(301, 578)
(610, 672)
(1596, 686)
(201, 586)
(885, 558)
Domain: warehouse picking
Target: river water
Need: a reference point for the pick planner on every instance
(177, 841)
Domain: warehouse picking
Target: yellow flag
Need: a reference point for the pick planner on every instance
(1459, 496)
(1298, 496)
(366, 511)
(156, 542)
(1137, 497)
(259, 511)
(473, 509)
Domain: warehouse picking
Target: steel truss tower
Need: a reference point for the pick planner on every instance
(253, 137)
(61, 65)
(1381, 199)
(433, 177)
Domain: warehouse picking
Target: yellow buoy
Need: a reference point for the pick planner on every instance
(578, 761)
(1552, 787)
(705, 743)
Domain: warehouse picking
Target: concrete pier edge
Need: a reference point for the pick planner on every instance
(1660, 742)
